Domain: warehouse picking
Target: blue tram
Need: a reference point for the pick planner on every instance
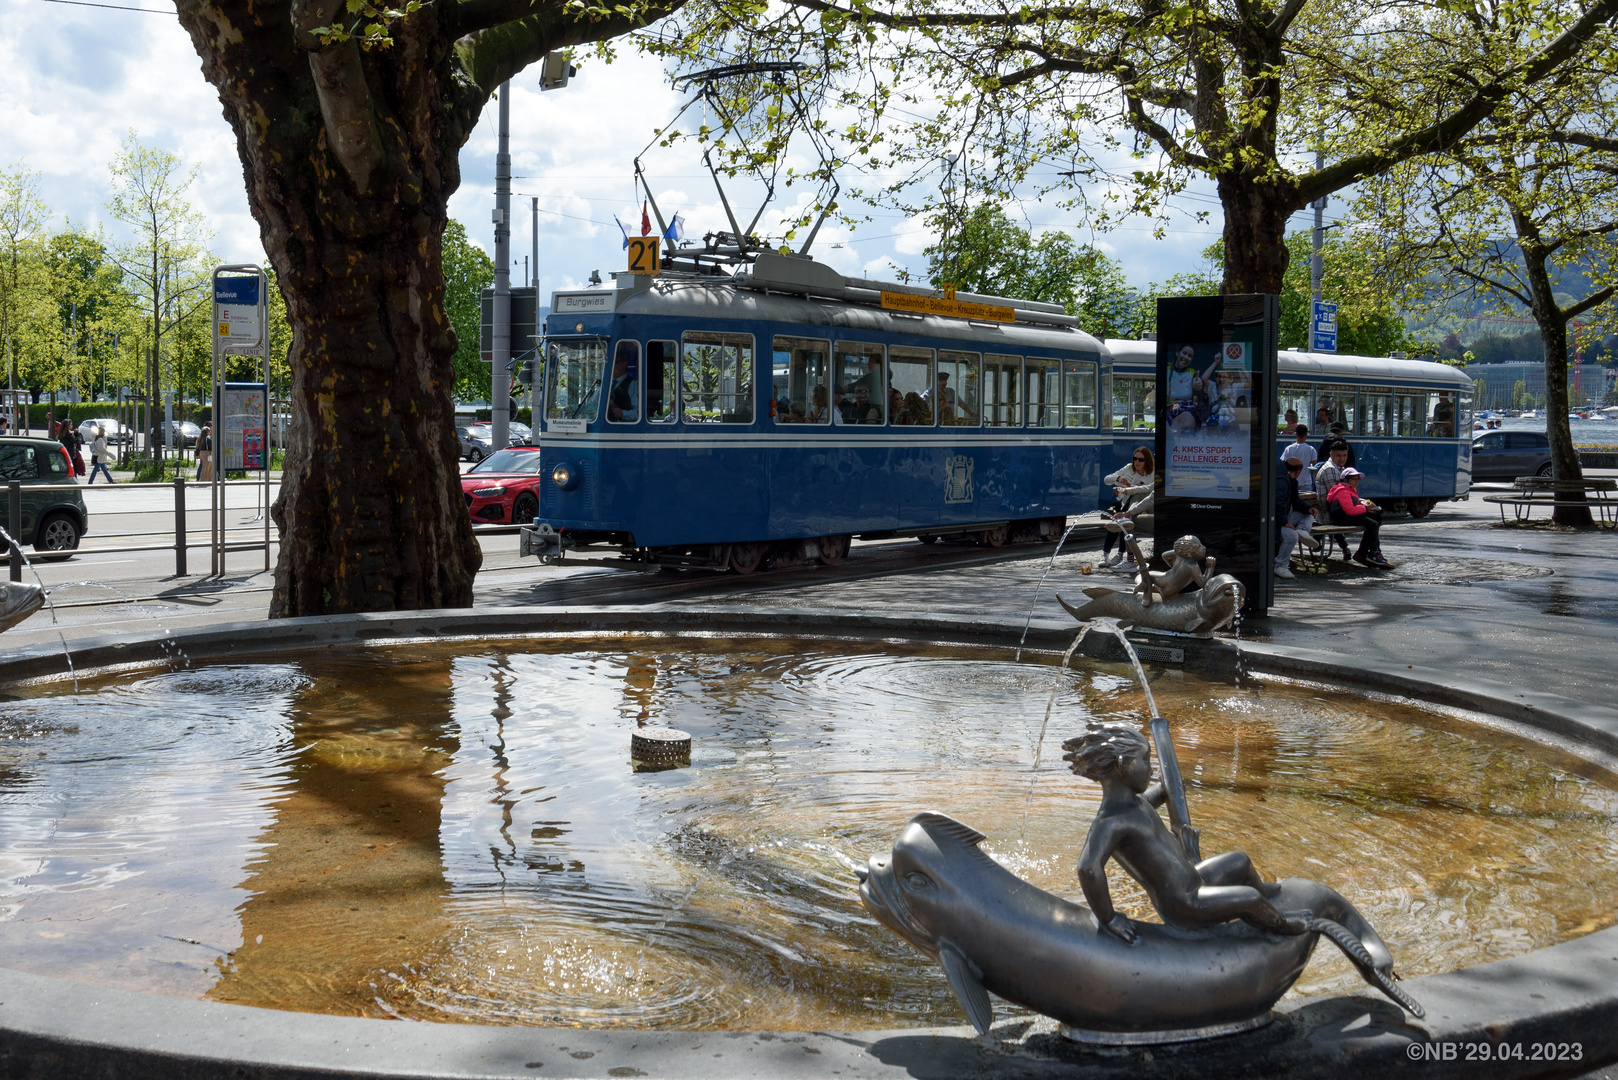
(719, 421)
(1409, 421)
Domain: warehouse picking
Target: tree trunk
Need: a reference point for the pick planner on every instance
(350, 160)
(1256, 215)
(1552, 320)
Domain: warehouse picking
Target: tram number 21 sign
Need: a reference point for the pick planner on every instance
(643, 257)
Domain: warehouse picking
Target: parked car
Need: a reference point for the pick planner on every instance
(504, 487)
(53, 518)
(117, 434)
(478, 439)
(185, 433)
(1506, 455)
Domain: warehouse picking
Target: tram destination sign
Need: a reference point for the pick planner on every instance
(1216, 409)
(946, 305)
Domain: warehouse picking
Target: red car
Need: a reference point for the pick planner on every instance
(503, 487)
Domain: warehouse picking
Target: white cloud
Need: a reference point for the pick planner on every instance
(74, 80)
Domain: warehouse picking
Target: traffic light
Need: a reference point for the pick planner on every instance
(555, 71)
(525, 374)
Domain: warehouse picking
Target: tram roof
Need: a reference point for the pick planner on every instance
(694, 298)
(1306, 365)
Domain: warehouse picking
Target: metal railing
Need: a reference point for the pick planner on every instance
(179, 534)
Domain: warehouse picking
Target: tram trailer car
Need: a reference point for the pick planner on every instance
(1409, 421)
(710, 421)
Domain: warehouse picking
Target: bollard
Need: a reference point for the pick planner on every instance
(179, 526)
(14, 526)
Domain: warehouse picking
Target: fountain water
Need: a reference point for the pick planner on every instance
(1037, 588)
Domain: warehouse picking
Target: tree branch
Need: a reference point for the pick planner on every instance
(1027, 16)
(1445, 133)
(491, 55)
(1283, 18)
(349, 113)
(1595, 299)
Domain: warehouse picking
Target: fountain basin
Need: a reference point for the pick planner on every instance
(1575, 727)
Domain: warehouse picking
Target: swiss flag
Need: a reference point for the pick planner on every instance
(645, 221)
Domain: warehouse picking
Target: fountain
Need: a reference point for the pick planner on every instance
(445, 805)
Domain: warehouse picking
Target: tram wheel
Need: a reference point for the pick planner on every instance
(1420, 508)
(745, 558)
(995, 537)
(833, 548)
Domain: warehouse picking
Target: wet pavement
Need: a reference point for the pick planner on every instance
(1535, 606)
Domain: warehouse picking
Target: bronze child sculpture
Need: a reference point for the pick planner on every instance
(1127, 828)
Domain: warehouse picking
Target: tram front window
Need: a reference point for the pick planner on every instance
(577, 369)
(911, 387)
(716, 378)
(859, 391)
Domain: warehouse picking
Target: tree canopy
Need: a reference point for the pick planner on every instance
(1115, 105)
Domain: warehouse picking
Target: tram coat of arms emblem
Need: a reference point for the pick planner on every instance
(958, 479)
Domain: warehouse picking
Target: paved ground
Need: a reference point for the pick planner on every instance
(1529, 605)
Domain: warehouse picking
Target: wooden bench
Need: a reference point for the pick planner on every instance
(1605, 507)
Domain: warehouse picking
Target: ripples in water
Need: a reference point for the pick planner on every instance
(458, 835)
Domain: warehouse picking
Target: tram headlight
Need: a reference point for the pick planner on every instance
(566, 476)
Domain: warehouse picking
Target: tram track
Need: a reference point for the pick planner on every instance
(633, 584)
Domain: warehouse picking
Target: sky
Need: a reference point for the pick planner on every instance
(76, 78)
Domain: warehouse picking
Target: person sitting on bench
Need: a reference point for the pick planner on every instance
(1347, 508)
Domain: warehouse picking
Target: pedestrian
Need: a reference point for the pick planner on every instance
(69, 438)
(1347, 508)
(100, 455)
(1133, 488)
(205, 454)
(1300, 450)
(1293, 517)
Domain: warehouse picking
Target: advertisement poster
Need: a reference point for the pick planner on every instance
(240, 435)
(1210, 400)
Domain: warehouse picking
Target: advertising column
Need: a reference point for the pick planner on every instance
(1216, 410)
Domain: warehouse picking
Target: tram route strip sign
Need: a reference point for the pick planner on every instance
(946, 305)
(1216, 408)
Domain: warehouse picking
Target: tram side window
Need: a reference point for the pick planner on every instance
(1044, 397)
(662, 382)
(1410, 413)
(801, 394)
(1143, 404)
(857, 377)
(716, 378)
(1122, 417)
(623, 391)
(1079, 393)
(1295, 408)
(1334, 404)
(1002, 382)
(1107, 399)
(577, 368)
(910, 386)
(956, 397)
(1441, 422)
(1376, 411)
(1465, 428)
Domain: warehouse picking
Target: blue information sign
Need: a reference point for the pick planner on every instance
(236, 290)
(1323, 328)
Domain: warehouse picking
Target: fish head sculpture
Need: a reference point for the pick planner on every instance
(18, 601)
(922, 887)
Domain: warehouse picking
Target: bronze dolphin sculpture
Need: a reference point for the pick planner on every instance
(18, 602)
(992, 932)
(1199, 612)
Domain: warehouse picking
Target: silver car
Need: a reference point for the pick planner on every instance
(117, 434)
(477, 439)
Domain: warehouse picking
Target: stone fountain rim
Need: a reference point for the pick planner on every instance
(1566, 992)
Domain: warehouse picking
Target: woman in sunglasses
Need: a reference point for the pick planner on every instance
(1133, 487)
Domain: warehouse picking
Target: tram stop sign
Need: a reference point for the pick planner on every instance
(1216, 409)
(235, 301)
